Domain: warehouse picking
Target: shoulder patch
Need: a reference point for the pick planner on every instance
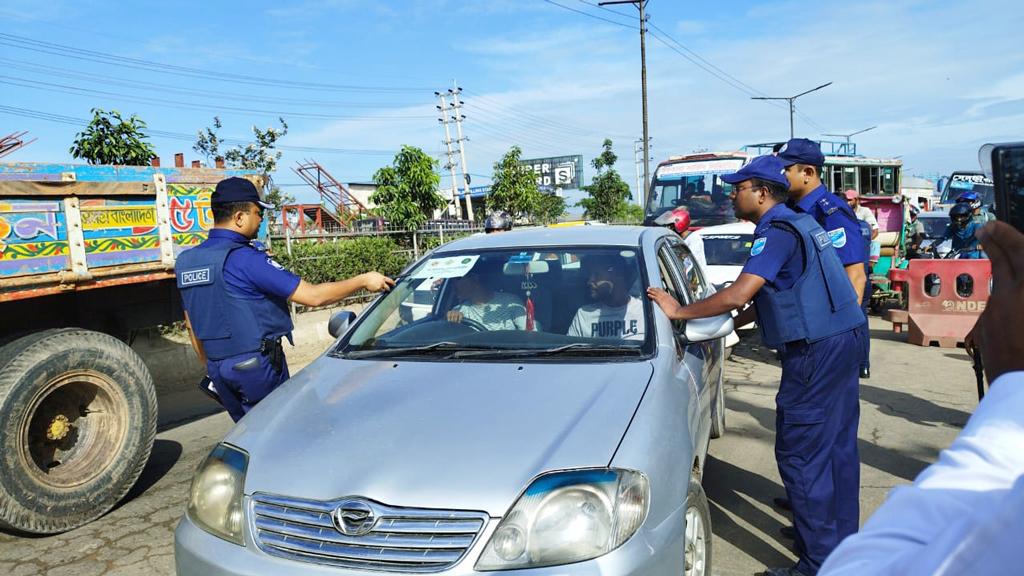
(758, 246)
(258, 245)
(822, 239)
(838, 237)
(274, 263)
(194, 277)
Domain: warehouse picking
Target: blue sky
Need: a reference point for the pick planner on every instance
(937, 78)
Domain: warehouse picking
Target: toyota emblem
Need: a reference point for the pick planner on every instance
(354, 517)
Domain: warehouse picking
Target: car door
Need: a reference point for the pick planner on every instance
(700, 289)
(688, 364)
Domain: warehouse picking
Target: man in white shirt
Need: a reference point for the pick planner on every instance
(614, 314)
(862, 212)
(482, 305)
(965, 513)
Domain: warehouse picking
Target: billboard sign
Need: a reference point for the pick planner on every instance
(564, 172)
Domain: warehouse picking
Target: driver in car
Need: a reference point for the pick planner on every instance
(615, 314)
(480, 304)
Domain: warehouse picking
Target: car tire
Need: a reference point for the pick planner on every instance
(79, 417)
(697, 532)
(718, 410)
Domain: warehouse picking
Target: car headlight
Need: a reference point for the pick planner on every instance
(215, 501)
(566, 517)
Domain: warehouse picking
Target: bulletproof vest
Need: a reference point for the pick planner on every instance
(227, 325)
(821, 303)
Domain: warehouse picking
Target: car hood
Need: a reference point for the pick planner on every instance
(464, 436)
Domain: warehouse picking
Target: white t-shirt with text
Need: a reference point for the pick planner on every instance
(599, 321)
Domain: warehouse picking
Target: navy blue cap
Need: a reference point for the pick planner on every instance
(766, 167)
(237, 190)
(802, 151)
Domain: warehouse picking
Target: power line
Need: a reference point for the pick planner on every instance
(588, 14)
(25, 43)
(72, 121)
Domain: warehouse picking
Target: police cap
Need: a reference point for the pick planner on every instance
(802, 151)
(236, 189)
(766, 167)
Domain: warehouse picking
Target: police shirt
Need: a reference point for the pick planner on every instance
(775, 254)
(250, 273)
(835, 216)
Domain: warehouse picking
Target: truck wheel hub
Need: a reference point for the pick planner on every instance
(58, 428)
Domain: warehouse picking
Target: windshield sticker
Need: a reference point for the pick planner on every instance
(446, 267)
(758, 246)
(838, 237)
(706, 167)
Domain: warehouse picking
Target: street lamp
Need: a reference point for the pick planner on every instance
(790, 99)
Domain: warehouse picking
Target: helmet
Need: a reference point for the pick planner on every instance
(498, 221)
(960, 213)
(971, 198)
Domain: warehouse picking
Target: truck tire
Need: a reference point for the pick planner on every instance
(78, 415)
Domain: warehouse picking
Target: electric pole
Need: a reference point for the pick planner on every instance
(790, 99)
(641, 4)
(640, 189)
(459, 117)
(848, 136)
(456, 209)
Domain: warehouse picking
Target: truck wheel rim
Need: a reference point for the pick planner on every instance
(73, 429)
(696, 544)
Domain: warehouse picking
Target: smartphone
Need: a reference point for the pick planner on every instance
(1008, 175)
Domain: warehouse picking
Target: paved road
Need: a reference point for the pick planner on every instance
(915, 403)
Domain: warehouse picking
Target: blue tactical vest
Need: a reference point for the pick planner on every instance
(227, 325)
(821, 303)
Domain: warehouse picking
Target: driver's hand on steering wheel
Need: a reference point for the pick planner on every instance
(454, 316)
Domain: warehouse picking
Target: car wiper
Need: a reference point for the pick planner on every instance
(574, 348)
(405, 350)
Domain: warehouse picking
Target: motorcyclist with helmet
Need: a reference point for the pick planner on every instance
(972, 199)
(498, 221)
(961, 231)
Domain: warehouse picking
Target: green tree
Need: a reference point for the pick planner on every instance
(609, 194)
(110, 139)
(514, 186)
(407, 190)
(550, 208)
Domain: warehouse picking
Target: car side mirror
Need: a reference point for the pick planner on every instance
(339, 322)
(704, 329)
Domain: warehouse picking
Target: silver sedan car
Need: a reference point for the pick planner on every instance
(542, 417)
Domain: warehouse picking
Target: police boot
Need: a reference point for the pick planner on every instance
(865, 372)
(790, 571)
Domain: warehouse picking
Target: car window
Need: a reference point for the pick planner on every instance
(688, 264)
(541, 298)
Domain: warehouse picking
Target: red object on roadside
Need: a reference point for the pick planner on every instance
(944, 299)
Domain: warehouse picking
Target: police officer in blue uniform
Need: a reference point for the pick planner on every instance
(236, 299)
(807, 309)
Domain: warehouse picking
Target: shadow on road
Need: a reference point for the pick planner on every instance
(912, 408)
(162, 459)
(730, 490)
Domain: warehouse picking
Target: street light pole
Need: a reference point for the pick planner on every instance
(790, 99)
(641, 4)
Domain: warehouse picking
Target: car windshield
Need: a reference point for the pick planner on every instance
(934, 227)
(977, 183)
(698, 187)
(525, 303)
(727, 249)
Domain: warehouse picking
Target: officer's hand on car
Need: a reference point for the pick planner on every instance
(455, 316)
(999, 333)
(376, 282)
(665, 301)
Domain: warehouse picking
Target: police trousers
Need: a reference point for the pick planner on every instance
(241, 389)
(817, 414)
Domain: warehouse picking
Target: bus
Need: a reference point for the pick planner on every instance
(965, 181)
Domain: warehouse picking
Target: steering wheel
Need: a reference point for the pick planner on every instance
(478, 326)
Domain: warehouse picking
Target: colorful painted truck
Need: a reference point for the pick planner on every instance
(86, 260)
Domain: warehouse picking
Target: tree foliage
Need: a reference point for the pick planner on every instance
(259, 155)
(514, 190)
(609, 194)
(407, 190)
(110, 139)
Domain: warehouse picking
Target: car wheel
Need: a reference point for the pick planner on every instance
(697, 560)
(718, 410)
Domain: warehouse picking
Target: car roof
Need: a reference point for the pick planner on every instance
(570, 236)
(733, 228)
(935, 214)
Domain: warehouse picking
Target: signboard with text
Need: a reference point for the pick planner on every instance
(565, 172)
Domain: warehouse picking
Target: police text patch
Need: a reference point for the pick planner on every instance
(194, 277)
(758, 246)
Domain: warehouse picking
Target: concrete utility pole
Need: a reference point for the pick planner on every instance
(455, 209)
(640, 189)
(641, 4)
(849, 149)
(790, 99)
(459, 117)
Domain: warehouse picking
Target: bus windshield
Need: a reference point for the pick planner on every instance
(698, 187)
(961, 182)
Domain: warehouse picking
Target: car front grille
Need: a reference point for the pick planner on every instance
(401, 539)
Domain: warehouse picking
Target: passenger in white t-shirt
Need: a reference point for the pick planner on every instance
(614, 314)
